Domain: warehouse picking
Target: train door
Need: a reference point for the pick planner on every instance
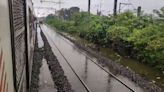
(19, 47)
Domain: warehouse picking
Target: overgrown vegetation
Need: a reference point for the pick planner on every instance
(140, 37)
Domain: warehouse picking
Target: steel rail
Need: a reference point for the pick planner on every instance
(83, 83)
(110, 73)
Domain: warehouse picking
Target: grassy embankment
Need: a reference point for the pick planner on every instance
(141, 38)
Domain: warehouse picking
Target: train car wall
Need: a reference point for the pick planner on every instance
(6, 69)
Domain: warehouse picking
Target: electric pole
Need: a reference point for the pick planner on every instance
(139, 11)
(115, 8)
(89, 6)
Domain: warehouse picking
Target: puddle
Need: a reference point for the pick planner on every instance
(40, 41)
(46, 83)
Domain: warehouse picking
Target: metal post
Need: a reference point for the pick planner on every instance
(89, 6)
(115, 8)
(139, 11)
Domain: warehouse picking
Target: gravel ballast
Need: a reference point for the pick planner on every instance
(37, 63)
(57, 72)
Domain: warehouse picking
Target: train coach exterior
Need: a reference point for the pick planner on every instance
(6, 69)
(17, 35)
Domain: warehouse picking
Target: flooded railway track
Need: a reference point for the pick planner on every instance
(93, 77)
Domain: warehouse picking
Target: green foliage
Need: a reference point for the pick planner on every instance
(160, 12)
(117, 33)
(144, 34)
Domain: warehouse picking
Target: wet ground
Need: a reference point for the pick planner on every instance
(144, 70)
(46, 83)
(147, 72)
(37, 63)
(94, 77)
(47, 74)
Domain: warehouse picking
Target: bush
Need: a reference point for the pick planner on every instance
(144, 36)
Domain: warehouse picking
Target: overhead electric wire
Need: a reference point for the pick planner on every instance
(131, 4)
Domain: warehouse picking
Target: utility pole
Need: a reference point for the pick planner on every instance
(139, 11)
(89, 6)
(115, 8)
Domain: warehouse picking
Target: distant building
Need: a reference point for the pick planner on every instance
(74, 10)
(67, 13)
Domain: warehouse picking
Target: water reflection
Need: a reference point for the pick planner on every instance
(94, 77)
(86, 68)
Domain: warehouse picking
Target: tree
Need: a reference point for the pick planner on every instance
(160, 12)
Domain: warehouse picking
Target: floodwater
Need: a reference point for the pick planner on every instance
(146, 71)
(94, 77)
(40, 41)
(46, 83)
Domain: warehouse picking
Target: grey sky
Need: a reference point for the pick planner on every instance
(106, 5)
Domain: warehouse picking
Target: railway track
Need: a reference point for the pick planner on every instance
(80, 79)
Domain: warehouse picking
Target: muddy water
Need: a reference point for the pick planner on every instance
(94, 77)
(40, 41)
(46, 83)
(143, 70)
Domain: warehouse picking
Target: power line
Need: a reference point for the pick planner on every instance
(49, 8)
(125, 4)
(132, 4)
(59, 2)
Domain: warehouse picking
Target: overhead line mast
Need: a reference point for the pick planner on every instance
(115, 8)
(89, 6)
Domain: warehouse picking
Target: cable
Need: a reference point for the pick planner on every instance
(131, 4)
(86, 87)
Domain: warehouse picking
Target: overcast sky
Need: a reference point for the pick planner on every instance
(106, 5)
